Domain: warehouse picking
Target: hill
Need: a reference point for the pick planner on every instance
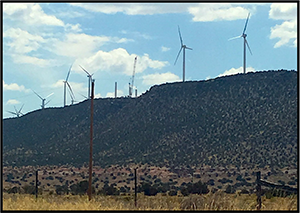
(245, 119)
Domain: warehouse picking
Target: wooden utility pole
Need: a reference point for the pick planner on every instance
(36, 183)
(91, 144)
(258, 191)
(135, 187)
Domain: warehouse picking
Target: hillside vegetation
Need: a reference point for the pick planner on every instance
(245, 119)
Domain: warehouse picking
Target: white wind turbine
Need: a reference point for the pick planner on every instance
(43, 99)
(17, 112)
(67, 83)
(183, 46)
(89, 80)
(245, 43)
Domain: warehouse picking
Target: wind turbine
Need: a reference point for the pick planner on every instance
(43, 99)
(71, 94)
(67, 83)
(89, 80)
(183, 46)
(245, 43)
(17, 112)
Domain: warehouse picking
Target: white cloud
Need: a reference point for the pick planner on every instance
(98, 95)
(14, 87)
(134, 8)
(283, 11)
(25, 59)
(12, 102)
(83, 45)
(120, 93)
(234, 71)
(160, 78)
(30, 13)
(22, 41)
(165, 49)
(218, 12)
(287, 31)
(117, 61)
(200, 11)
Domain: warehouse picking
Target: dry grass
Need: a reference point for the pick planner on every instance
(217, 201)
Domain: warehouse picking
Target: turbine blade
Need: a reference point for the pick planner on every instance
(246, 24)
(21, 108)
(38, 95)
(69, 72)
(49, 95)
(248, 46)
(46, 103)
(16, 109)
(178, 55)
(234, 38)
(85, 70)
(12, 112)
(180, 36)
(71, 91)
(83, 95)
(188, 48)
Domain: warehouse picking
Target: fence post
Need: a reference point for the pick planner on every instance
(258, 191)
(135, 187)
(36, 183)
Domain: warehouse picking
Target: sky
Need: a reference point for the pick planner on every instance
(42, 41)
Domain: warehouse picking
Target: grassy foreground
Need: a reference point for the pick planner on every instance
(217, 201)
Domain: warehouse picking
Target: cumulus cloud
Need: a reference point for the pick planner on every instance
(218, 12)
(98, 95)
(283, 11)
(12, 102)
(159, 78)
(14, 87)
(120, 93)
(287, 30)
(117, 61)
(200, 11)
(25, 59)
(22, 41)
(30, 13)
(83, 45)
(234, 71)
(134, 8)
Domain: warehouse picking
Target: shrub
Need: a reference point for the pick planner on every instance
(172, 192)
(14, 190)
(230, 189)
(29, 189)
(109, 190)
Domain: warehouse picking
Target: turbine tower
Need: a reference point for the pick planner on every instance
(244, 35)
(183, 46)
(43, 99)
(131, 87)
(67, 83)
(89, 80)
(17, 112)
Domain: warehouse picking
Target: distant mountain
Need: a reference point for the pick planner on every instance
(244, 120)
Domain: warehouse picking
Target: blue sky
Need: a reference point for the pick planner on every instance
(42, 40)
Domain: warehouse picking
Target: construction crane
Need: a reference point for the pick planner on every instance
(132, 78)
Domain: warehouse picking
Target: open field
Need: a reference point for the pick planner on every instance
(210, 201)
